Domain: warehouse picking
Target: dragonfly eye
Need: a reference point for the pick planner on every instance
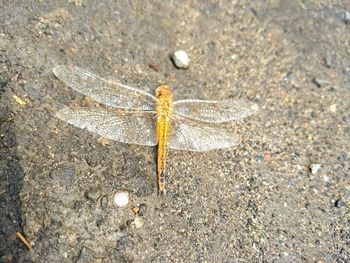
(163, 90)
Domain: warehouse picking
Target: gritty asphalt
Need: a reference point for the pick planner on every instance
(281, 195)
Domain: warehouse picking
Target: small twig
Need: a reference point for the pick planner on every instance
(24, 240)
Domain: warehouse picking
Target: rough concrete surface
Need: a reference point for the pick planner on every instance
(282, 195)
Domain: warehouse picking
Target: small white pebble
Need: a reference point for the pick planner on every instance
(138, 222)
(255, 107)
(333, 108)
(234, 56)
(121, 199)
(315, 167)
(181, 59)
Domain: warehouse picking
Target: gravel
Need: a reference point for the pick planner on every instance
(121, 198)
(181, 59)
(256, 202)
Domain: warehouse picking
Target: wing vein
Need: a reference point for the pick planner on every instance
(124, 126)
(110, 93)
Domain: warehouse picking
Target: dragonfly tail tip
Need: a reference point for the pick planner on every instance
(162, 192)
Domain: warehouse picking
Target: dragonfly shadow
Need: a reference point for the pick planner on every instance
(11, 174)
(139, 169)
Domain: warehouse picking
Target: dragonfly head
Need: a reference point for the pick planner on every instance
(163, 90)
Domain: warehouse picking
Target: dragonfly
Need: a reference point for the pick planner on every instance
(130, 115)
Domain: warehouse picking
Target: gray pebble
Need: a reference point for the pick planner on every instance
(142, 209)
(91, 160)
(65, 175)
(342, 157)
(104, 202)
(85, 255)
(339, 203)
(327, 62)
(33, 93)
(3, 83)
(259, 158)
(319, 82)
(125, 242)
(93, 194)
(346, 71)
(347, 119)
(315, 167)
(346, 17)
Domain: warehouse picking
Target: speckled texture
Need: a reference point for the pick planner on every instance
(257, 202)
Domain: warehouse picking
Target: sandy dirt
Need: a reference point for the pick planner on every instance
(257, 202)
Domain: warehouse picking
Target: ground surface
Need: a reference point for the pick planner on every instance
(257, 202)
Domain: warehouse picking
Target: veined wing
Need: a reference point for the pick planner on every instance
(109, 93)
(118, 125)
(215, 111)
(190, 135)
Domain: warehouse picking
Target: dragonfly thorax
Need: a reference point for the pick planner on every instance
(165, 101)
(163, 90)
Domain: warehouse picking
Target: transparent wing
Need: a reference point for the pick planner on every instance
(118, 125)
(215, 111)
(109, 93)
(190, 135)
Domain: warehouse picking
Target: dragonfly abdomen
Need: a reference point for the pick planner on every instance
(164, 112)
(163, 132)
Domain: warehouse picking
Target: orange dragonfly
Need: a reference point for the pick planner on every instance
(141, 118)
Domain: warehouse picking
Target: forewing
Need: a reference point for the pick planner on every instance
(198, 136)
(109, 93)
(215, 111)
(119, 125)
